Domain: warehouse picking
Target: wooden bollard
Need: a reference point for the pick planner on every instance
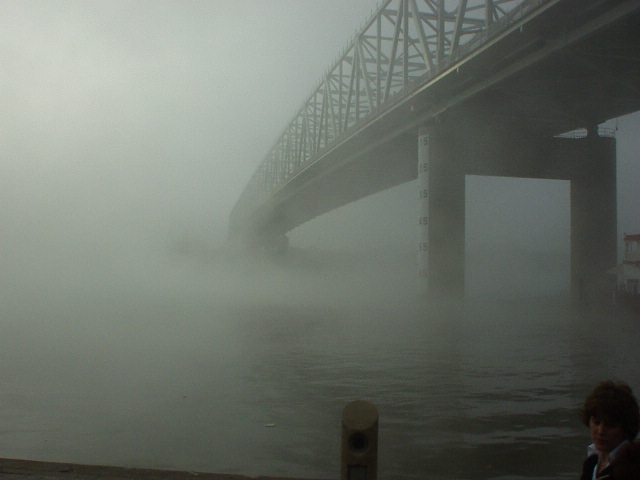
(359, 459)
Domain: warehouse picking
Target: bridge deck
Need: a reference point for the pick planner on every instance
(568, 64)
(11, 469)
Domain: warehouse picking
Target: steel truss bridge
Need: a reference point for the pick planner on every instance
(509, 69)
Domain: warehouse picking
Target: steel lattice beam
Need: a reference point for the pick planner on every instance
(405, 44)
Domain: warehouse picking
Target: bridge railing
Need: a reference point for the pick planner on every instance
(402, 46)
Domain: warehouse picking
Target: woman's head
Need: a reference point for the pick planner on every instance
(612, 403)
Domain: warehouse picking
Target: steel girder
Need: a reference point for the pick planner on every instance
(402, 46)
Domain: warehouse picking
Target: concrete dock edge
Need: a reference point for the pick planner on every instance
(16, 469)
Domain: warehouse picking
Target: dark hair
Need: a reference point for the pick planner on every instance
(613, 402)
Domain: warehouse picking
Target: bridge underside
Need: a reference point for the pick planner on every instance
(501, 112)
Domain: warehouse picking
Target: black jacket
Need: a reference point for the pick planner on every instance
(626, 465)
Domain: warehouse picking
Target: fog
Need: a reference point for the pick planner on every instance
(128, 131)
(127, 125)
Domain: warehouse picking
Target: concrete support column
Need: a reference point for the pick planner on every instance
(593, 218)
(423, 211)
(442, 213)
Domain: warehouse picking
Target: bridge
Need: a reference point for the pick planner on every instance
(440, 89)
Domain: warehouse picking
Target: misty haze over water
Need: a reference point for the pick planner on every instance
(205, 363)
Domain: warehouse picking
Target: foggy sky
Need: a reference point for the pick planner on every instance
(129, 125)
(127, 122)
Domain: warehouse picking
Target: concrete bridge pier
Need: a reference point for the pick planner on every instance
(445, 157)
(593, 216)
(441, 247)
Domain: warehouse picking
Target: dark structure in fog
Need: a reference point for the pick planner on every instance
(440, 89)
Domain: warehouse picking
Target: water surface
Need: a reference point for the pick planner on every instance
(247, 369)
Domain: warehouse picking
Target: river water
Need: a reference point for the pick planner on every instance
(247, 370)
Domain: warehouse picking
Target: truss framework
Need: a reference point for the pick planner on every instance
(403, 45)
